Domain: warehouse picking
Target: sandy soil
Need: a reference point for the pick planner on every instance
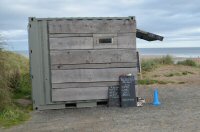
(175, 74)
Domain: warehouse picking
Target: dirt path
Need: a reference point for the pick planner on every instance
(180, 111)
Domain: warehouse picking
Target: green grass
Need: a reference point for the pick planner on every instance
(165, 60)
(187, 72)
(178, 74)
(14, 84)
(181, 82)
(187, 62)
(148, 65)
(24, 90)
(13, 116)
(151, 64)
(150, 82)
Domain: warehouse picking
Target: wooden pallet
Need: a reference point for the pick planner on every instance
(83, 104)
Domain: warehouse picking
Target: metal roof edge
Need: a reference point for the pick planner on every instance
(83, 18)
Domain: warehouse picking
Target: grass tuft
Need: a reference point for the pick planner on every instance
(150, 82)
(13, 116)
(166, 60)
(147, 82)
(148, 65)
(178, 74)
(181, 82)
(187, 62)
(151, 64)
(24, 90)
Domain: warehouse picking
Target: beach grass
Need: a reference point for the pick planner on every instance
(163, 70)
(152, 81)
(14, 84)
(151, 64)
(188, 62)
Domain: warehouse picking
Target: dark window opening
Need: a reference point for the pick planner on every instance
(105, 40)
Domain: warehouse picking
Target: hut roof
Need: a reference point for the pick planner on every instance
(148, 36)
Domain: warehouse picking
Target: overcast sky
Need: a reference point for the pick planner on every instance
(177, 20)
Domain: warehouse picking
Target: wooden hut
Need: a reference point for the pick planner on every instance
(74, 60)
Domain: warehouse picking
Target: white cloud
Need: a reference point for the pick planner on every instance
(177, 21)
(131, 2)
(13, 34)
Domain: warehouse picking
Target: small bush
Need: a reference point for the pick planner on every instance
(186, 73)
(187, 62)
(167, 60)
(24, 90)
(14, 80)
(181, 82)
(169, 75)
(148, 65)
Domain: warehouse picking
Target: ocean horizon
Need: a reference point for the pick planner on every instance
(189, 52)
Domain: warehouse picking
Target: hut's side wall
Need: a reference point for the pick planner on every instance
(39, 63)
(77, 56)
(69, 64)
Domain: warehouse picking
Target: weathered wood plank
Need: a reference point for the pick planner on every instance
(73, 94)
(90, 75)
(90, 66)
(92, 26)
(92, 56)
(126, 40)
(99, 35)
(84, 84)
(63, 41)
(70, 35)
(86, 104)
(71, 43)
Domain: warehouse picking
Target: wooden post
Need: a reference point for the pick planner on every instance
(138, 62)
(139, 65)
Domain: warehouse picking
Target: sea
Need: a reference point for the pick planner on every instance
(186, 52)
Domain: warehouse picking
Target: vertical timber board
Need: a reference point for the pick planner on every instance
(46, 61)
(36, 59)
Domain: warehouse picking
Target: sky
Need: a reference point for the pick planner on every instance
(177, 20)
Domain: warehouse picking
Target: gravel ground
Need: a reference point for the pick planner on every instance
(179, 112)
